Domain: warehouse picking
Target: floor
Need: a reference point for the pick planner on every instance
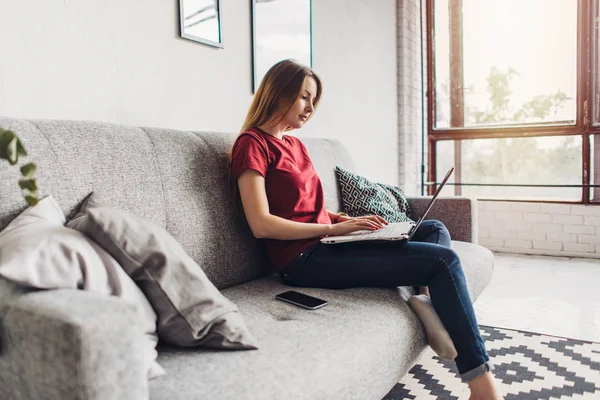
(551, 295)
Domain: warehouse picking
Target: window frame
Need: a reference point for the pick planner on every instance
(587, 58)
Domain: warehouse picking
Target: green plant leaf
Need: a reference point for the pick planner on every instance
(29, 184)
(5, 137)
(11, 147)
(31, 199)
(28, 170)
(11, 152)
(8, 146)
(20, 149)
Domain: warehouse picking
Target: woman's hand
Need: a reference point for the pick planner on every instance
(375, 218)
(347, 225)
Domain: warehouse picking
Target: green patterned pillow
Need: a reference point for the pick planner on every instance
(363, 197)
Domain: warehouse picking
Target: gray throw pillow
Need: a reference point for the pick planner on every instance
(38, 251)
(191, 310)
(363, 197)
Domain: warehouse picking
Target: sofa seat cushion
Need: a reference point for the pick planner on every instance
(357, 347)
(338, 351)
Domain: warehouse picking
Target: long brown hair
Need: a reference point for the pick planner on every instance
(276, 94)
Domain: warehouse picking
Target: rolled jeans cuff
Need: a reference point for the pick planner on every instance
(475, 372)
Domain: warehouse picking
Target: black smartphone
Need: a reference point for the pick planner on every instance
(301, 300)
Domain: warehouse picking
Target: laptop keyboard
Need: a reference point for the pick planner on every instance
(394, 229)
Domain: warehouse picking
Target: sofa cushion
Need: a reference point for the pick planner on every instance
(37, 251)
(356, 348)
(363, 197)
(191, 310)
(336, 352)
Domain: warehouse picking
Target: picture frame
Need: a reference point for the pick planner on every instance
(281, 29)
(200, 21)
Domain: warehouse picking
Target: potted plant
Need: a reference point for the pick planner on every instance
(11, 149)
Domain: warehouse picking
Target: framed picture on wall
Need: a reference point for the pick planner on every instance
(281, 29)
(200, 21)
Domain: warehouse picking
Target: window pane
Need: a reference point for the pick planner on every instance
(519, 62)
(541, 161)
(595, 167)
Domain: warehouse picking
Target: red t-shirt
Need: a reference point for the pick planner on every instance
(294, 190)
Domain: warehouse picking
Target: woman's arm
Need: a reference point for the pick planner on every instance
(265, 225)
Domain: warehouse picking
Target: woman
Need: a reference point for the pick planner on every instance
(283, 202)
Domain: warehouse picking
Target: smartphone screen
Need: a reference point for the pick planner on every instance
(302, 300)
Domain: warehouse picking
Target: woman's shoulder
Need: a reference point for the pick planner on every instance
(251, 132)
(249, 137)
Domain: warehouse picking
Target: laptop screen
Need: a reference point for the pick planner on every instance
(435, 195)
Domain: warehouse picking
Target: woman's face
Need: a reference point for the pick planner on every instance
(303, 107)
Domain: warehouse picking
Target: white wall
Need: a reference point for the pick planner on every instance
(354, 44)
(123, 62)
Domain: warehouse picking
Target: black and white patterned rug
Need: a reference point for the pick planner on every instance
(528, 366)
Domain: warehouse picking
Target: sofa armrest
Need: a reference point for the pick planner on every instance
(71, 345)
(459, 214)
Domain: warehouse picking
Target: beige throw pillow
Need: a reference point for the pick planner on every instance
(191, 310)
(37, 251)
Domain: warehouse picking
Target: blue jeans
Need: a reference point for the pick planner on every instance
(426, 260)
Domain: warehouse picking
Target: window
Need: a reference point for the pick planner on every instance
(516, 161)
(514, 98)
(596, 63)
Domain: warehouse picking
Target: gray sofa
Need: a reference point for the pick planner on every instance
(67, 344)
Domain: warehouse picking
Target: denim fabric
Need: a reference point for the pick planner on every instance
(426, 260)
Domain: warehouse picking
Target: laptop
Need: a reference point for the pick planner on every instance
(392, 231)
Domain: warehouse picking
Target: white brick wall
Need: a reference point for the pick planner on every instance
(538, 228)
(410, 115)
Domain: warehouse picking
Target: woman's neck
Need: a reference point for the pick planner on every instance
(276, 130)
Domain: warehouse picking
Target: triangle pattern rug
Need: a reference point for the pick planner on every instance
(528, 366)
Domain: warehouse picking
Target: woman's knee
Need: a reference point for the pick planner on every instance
(450, 260)
(439, 225)
(442, 233)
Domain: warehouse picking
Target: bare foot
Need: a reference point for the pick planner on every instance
(483, 387)
(437, 336)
